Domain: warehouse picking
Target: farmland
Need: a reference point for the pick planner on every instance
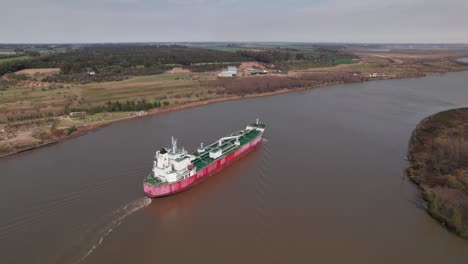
(222, 48)
(10, 59)
(7, 52)
(39, 71)
(169, 87)
(342, 61)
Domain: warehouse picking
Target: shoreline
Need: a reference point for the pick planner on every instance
(82, 130)
(434, 185)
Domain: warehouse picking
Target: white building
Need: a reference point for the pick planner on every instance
(77, 114)
(231, 71)
(376, 75)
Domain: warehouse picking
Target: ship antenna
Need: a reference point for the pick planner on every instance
(257, 121)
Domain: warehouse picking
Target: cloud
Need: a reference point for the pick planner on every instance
(235, 20)
(394, 21)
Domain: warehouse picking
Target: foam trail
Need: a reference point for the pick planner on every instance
(118, 216)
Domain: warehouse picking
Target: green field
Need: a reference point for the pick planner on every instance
(174, 87)
(14, 59)
(46, 50)
(301, 47)
(309, 55)
(343, 61)
(297, 47)
(220, 48)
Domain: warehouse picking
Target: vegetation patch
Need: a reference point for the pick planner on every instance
(122, 107)
(224, 48)
(70, 130)
(16, 58)
(438, 154)
(343, 61)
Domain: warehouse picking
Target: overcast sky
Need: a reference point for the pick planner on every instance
(408, 21)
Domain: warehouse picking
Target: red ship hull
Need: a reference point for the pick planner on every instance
(158, 191)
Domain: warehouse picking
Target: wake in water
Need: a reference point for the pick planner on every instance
(34, 212)
(97, 234)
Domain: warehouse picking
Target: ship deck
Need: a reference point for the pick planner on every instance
(203, 160)
(227, 147)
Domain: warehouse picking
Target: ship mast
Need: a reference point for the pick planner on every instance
(174, 144)
(201, 149)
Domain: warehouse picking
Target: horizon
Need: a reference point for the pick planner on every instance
(235, 42)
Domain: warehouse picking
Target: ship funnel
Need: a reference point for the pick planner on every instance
(257, 121)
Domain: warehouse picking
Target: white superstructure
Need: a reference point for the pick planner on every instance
(174, 164)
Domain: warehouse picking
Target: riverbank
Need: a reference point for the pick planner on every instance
(438, 155)
(81, 130)
(36, 117)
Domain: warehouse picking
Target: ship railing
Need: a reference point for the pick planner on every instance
(227, 146)
(182, 175)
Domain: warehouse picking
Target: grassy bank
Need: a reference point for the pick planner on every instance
(438, 154)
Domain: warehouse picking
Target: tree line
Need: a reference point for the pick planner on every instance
(107, 62)
(117, 106)
(121, 57)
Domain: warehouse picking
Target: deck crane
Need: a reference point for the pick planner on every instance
(220, 141)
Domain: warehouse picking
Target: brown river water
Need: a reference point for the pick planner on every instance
(326, 185)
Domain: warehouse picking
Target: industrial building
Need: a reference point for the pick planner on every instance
(231, 71)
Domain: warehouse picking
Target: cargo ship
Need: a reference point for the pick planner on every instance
(175, 170)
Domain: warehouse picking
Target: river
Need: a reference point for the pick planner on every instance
(326, 185)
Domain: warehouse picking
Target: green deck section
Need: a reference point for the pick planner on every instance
(228, 146)
(153, 180)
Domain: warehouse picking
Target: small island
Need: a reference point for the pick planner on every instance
(438, 155)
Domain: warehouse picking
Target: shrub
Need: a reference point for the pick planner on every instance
(453, 183)
(70, 130)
